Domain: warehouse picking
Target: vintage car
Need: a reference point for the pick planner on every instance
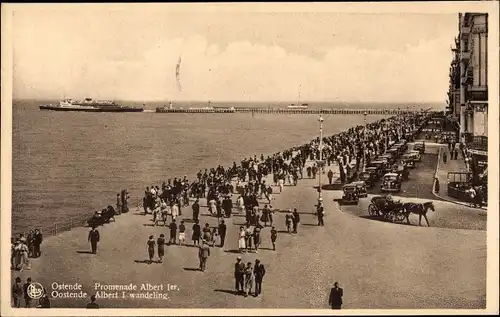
(408, 160)
(388, 158)
(402, 145)
(368, 177)
(361, 186)
(393, 152)
(420, 147)
(380, 165)
(417, 157)
(391, 182)
(402, 170)
(374, 173)
(351, 195)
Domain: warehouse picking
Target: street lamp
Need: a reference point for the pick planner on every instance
(364, 145)
(320, 162)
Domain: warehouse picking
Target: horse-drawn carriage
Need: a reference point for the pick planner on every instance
(386, 207)
(382, 206)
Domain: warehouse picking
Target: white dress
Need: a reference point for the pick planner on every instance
(241, 241)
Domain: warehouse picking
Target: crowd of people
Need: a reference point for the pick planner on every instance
(25, 247)
(247, 182)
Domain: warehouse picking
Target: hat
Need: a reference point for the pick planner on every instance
(238, 258)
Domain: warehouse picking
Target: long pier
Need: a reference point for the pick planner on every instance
(289, 111)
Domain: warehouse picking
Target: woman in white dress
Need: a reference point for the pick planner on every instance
(175, 211)
(241, 239)
(241, 204)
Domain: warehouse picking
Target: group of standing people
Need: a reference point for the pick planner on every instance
(23, 248)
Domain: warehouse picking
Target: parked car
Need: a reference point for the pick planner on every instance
(417, 157)
(420, 147)
(369, 177)
(391, 182)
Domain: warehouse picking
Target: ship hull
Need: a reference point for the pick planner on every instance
(90, 109)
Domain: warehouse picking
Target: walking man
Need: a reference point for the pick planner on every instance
(222, 233)
(330, 176)
(196, 210)
(38, 237)
(336, 294)
(239, 269)
(295, 219)
(320, 213)
(173, 232)
(259, 272)
(27, 298)
(203, 254)
(93, 238)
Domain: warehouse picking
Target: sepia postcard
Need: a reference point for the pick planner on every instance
(250, 159)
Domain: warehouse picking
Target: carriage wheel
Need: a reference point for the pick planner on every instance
(372, 210)
(400, 216)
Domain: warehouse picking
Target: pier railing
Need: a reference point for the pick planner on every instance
(59, 226)
(290, 111)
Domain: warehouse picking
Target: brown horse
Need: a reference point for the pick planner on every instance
(419, 209)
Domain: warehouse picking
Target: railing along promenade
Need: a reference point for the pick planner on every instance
(289, 111)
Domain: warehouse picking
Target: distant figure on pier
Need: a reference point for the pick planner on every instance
(196, 233)
(94, 238)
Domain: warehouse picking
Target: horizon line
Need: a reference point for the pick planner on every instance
(256, 101)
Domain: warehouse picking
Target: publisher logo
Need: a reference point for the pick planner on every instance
(35, 290)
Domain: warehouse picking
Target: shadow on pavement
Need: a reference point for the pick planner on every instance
(228, 291)
(381, 219)
(191, 269)
(232, 251)
(84, 252)
(145, 261)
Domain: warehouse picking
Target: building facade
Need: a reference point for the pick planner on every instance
(468, 89)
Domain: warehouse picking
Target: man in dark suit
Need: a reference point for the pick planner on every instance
(93, 239)
(259, 272)
(336, 294)
(239, 268)
(222, 233)
(295, 220)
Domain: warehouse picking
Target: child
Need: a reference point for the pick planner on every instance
(215, 237)
(274, 235)
(182, 233)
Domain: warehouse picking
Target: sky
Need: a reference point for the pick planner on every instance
(231, 56)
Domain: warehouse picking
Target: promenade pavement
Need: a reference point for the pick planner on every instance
(442, 171)
(379, 265)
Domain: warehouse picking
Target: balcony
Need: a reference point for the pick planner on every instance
(465, 32)
(465, 56)
(477, 93)
(468, 137)
(479, 142)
